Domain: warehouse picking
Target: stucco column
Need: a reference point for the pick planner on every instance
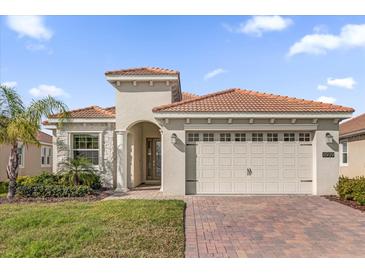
(121, 161)
(162, 169)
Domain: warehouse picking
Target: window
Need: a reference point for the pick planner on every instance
(344, 153)
(87, 146)
(225, 137)
(304, 137)
(208, 137)
(21, 155)
(193, 137)
(45, 156)
(257, 137)
(272, 137)
(240, 137)
(289, 137)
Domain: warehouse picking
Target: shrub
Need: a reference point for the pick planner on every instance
(44, 191)
(351, 189)
(4, 187)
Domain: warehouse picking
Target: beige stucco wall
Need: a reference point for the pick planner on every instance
(355, 158)
(32, 161)
(325, 170)
(107, 157)
(135, 103)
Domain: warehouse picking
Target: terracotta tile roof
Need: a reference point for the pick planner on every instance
(353, 125)
(188, 95)
(44, 137)
(90, 112)
(238, 100)
(142, 71)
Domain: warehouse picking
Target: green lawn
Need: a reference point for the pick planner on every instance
(123, 228)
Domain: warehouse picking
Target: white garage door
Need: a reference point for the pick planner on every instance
(250, 163)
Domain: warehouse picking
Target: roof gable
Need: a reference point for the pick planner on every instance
(238, 100)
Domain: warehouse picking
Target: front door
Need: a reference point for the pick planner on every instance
(153, 158)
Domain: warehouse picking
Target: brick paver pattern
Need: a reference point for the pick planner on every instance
(272, 226)
(285, 226)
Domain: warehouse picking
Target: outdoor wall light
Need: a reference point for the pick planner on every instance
(329, 138)
(173, 138)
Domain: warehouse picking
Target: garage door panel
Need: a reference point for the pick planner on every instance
(277, 167)
(224, 161)
(240, 149)
(207, 161)
(272, 148)
(224, 149)
(257, 148)
(240, 162)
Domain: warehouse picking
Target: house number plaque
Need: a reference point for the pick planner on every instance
(328, 155)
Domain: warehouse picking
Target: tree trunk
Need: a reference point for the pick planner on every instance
(12, 170)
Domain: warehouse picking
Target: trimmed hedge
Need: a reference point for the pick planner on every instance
(53, 185)
(351, 189)
(58, 191)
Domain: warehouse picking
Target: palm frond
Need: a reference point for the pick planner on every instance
(45, 107)
(11, 104)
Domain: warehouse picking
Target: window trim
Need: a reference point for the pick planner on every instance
(208, 139)
(49, 149)
(289, 141)
(193, 141)
(341, 153)
(259, 135)
(310, 137)
(274, 138)
(99, 133)
(225, 134)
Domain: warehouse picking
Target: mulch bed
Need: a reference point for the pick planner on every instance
(89, 198)
(349, 203)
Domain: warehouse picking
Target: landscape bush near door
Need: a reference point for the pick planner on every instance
(351, 189)
(54, 185)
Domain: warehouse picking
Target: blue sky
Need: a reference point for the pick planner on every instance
(308, 57)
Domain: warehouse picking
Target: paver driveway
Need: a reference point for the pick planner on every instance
(272, 226)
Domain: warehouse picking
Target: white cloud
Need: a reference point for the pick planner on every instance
(214, 73)
(350, 36)
(45, 90)
(10, 84)
(325, 99)
(30, 26)
(322, 87)
(259, 24)
(347, 82)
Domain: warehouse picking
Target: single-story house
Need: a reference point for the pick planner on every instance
(233, 141)
(352, 147)
(33, 159)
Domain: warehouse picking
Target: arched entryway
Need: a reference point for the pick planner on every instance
(143, 154)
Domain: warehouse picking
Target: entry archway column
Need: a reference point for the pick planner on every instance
(121, 160)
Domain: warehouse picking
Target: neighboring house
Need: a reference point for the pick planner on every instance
(33, 159)
(352, 147)
(229, 142)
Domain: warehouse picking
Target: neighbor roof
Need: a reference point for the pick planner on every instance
(44, 137)
(142, 71)
(353, 125)
(238, 100)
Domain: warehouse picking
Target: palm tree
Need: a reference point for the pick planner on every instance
(19, 123)
(78, 170)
